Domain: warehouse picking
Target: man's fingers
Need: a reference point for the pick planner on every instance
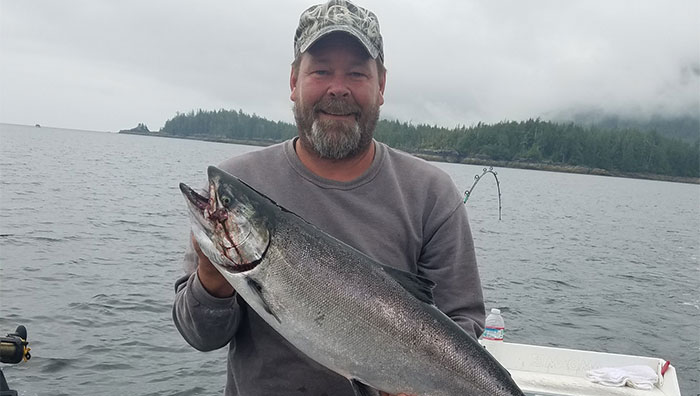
(209, 276)
(195, 245)
(202, 258)
(198, 250)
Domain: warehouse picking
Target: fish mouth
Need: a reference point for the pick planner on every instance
(198, 201)
(212, 221)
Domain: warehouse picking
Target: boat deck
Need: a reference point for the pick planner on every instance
(538, 384)
(547, 371)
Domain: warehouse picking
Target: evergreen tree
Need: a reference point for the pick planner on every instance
(533, 140)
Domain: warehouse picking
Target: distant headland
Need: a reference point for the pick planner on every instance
(532, 144)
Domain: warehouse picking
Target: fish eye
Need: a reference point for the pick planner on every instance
(225, 200)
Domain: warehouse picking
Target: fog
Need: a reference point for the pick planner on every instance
(105, 65)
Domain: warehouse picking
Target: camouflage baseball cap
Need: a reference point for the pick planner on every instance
(339, 16)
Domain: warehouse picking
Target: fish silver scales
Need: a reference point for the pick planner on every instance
(386, 328)
(372, 324)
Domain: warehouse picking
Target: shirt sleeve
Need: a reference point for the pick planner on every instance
(449, 260)
(204, 321)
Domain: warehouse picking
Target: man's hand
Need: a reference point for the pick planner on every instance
(211, 278)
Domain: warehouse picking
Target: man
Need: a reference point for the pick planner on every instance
(399, 210)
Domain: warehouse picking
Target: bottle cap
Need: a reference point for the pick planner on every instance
(495, 311)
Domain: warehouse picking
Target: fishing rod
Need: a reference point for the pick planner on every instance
(468, 192)
(14, 348)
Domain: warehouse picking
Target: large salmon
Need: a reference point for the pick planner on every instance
(372, 324)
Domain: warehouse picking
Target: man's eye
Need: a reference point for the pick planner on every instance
(321, 72)
(357, 75)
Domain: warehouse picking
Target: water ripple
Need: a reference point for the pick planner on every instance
(577, 261)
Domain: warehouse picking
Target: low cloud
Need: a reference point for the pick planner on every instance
(108, 65)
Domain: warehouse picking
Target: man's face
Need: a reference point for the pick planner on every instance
(336, 93)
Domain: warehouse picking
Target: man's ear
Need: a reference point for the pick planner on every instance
(293, 84)
(382, 85)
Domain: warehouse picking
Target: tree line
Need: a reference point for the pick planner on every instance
(534, 140)
(228, 124)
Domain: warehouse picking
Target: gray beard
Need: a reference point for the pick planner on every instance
(335, 139)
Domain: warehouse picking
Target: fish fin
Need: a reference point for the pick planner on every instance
(419, 286)
(362, 389)
(256, 288)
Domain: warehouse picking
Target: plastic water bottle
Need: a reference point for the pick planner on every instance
(494, 326)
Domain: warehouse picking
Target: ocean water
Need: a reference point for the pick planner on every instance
(93, 226)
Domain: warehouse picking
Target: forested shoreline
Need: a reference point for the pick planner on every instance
(534, 143)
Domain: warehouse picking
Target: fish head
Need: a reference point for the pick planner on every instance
(229, 222)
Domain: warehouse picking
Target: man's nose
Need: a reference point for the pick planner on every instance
(338, 87)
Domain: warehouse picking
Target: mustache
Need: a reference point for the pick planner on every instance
(336, 106)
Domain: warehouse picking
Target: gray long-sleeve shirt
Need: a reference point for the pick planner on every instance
(402, 212)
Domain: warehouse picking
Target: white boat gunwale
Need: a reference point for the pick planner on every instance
(561, 371)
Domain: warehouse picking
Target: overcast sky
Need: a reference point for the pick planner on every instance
(107, 65)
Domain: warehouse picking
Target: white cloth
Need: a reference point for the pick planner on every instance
(638, 377)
